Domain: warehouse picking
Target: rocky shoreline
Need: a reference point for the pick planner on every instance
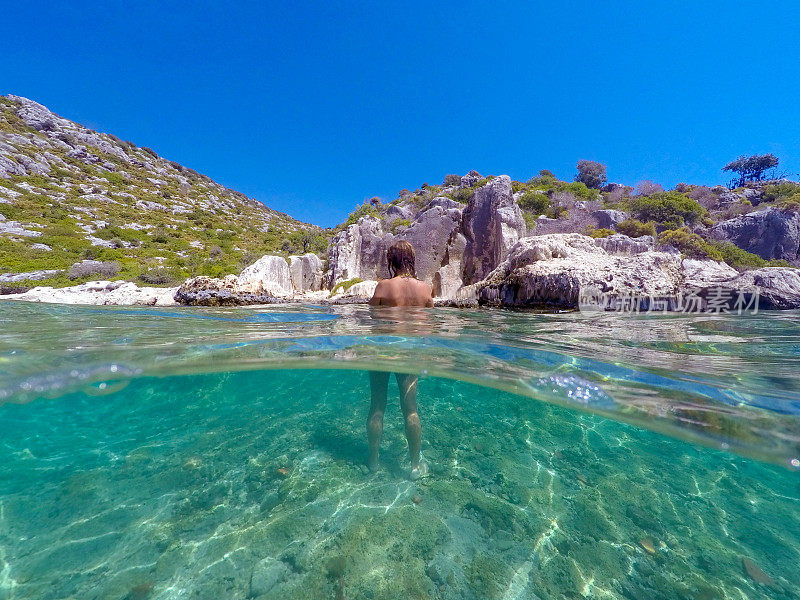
(474, 254)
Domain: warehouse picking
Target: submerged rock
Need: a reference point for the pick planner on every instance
(755, 573)
(267, 574)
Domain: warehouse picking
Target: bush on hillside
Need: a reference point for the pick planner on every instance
(779, 191)
(791, 203)
(365, 210)
(161, 276)
(670, 209)
(462, 195)
(690, 244)
(530, 220)
(635, 228)
(736, 257)
(535, 202)
(90, 268)
(602, 232)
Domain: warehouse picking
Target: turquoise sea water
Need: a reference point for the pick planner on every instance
(204, 453)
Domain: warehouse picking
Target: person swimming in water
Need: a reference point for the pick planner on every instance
(402, 289)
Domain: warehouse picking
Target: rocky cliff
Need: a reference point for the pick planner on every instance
(69, 194)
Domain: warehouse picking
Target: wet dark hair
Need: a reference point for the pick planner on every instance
(400, 257)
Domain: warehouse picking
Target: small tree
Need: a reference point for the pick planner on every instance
(751, 168)
(647, 187)
(591, 173)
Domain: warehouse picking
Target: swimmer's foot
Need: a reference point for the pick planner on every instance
(373, 464)
(420, 471)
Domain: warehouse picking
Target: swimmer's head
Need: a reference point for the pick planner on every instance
(400, 257)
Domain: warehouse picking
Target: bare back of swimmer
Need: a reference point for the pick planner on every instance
(401, 289)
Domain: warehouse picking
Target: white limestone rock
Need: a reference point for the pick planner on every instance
(99, 293)
(306, 272)
(268, 275)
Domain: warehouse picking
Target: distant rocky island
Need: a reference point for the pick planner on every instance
(88, 218)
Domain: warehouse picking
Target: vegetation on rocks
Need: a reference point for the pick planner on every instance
(635, 228)
(602, 232)
(90, 196)
(690, 244)
(667, 209)
(343, 286)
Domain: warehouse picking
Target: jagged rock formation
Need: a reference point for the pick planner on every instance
(772, 233)
(561, 270)
(306, 272)
(268, 275)
(358, 252)
(551, 270)
(453, 243)
(68, 193)
(492, 224)
(268, 280)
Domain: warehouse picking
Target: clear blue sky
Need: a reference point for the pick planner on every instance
(313, 107)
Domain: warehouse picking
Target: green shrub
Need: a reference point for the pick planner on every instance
(160, 234)
(545, 178)
(690, 244)
(343, 286)
(530, 220)
(791, 203)
(736, 257)
(670, 209)
(635, 228)
(88, 269)
(462, 195)
(781, 190)
(602, 232)
(161, 276)
(535, 202)
(361, 211)
(556, 212)
(398, 224)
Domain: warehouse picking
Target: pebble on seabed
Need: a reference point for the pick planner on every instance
(193, 462)
(648, 545)
(417, 499)
(755, 573)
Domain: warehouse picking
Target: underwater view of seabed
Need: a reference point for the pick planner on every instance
(221, 453)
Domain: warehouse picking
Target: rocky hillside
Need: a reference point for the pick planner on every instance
(483, 240)
(76, 204)
(752, 226)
